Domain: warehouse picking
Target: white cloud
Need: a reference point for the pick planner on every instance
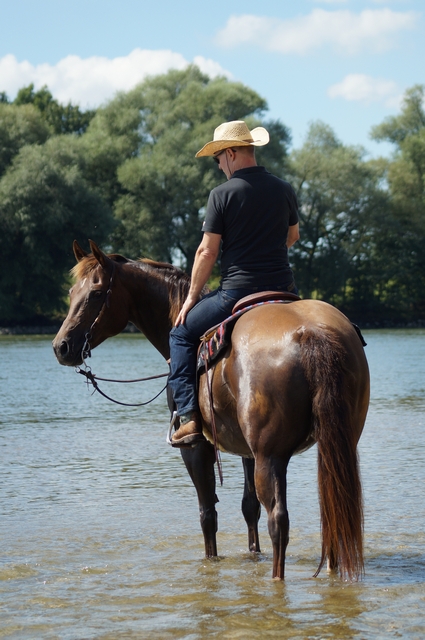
(349, 32)
(91, 81)
(362, 88)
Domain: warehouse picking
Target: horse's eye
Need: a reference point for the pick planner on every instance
(96, 294)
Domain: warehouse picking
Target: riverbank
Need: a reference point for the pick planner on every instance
(44, 330)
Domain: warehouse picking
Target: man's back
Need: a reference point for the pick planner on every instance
(252, 212)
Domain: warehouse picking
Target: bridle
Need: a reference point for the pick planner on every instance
(86, 350)
(86, 353)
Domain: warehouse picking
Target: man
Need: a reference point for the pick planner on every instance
(254, 218)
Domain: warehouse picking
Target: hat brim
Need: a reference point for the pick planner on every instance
(260, 137)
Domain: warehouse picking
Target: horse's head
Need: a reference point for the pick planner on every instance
(97, 306)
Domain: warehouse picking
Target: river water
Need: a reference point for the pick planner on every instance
(99, 526)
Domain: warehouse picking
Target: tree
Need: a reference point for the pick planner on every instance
(164, 188)
(405, 175)
(112, 137)
(19, 126)
(45, 202)
(62, 118)
(340, 202)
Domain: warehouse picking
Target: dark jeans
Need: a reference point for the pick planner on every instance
(184, 340)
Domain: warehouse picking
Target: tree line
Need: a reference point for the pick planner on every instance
(126, 176)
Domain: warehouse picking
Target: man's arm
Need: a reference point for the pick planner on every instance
(205, 258)
(293, 234)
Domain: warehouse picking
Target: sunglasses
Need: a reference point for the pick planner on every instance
(217, 157)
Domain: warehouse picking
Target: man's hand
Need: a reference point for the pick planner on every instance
(188, 304)
(205, 258)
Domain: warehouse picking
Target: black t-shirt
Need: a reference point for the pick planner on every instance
(252, 212)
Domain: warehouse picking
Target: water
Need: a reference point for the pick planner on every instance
(99, 521)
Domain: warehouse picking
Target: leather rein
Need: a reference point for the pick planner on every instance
(86, 353)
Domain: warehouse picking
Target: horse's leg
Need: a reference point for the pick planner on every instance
(251, 507)
(270, 483)
(332, 562)
(199, 461)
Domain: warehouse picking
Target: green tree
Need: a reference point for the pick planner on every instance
(405, 175)
(62, 118)
(19, 126)
(340, 204)
(45, 202)
(163, 186)
(112, 137)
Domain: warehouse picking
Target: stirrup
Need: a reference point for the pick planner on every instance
(170, 429)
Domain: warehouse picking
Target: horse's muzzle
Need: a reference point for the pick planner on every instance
(65, 353)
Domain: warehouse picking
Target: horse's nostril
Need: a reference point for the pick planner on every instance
(63, 349)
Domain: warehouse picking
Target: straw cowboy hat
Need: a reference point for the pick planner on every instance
(234, 134)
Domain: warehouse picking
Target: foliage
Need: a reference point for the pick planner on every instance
(403, 236)
(126, 176)
(19, 125)
(45, 202)
(62, 118)
(339, 199)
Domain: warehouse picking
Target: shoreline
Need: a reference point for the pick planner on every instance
(45, 330)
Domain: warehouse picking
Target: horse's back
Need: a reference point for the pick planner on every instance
(262, 384)
(279, 327)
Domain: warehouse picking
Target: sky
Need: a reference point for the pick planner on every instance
(344, 62)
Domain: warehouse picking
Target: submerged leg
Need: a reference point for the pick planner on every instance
(332, 562)
(270, 483)
(251, 507)
(199, 461)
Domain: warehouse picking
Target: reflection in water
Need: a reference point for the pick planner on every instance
(100, 530)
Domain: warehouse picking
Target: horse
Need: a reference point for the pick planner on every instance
(293, 375)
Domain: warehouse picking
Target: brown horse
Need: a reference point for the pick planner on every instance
(294, 374)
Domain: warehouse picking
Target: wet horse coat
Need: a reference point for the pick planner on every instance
(293, 375)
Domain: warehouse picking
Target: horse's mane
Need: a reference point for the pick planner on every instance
(88, 263)
(177, 281)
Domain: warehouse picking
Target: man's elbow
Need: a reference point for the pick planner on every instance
(208, 254)
(293, 237)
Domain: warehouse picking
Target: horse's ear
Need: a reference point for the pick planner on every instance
(101, 257)
(79, 253)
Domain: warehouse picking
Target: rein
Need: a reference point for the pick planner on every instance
(92, 379)
(212, 415)
(86, 353)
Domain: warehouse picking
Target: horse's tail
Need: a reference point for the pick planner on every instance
(340, 493)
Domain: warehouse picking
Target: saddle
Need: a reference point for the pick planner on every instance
(216, 339)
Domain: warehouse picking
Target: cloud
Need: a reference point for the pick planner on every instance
(362, 88)
(344, 30)
(91, 81)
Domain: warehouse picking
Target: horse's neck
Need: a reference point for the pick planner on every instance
(149, 308)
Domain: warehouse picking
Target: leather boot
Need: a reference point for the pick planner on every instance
(190, 432)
